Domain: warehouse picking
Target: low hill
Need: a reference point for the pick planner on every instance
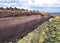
(14, 12)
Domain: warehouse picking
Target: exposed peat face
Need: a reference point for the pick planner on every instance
(15, 24)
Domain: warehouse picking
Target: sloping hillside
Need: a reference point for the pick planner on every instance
(48, 32)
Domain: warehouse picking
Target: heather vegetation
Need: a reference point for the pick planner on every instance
(14, 12)
(48, 32)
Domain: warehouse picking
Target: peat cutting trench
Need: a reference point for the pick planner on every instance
(14, 28)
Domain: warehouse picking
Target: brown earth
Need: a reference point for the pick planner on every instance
(15, 27)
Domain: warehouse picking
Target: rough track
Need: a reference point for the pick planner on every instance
(18, 26)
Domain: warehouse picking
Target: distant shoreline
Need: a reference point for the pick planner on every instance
(54, 12)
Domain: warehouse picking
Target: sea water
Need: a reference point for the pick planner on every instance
(52, 10)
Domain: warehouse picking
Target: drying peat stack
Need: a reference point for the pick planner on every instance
(16, 23)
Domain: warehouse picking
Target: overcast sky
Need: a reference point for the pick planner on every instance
(29, 3)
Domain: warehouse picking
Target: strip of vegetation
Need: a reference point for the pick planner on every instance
(48, 32)
(14, 12)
